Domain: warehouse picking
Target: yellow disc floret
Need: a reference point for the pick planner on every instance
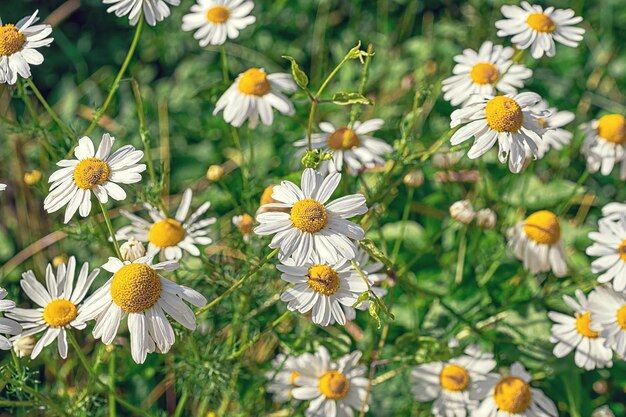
(11, 40)
(294, 375)
(541, 23)
(218, 14)
(59, 312)
(135, 288)
(334, 385)
(309, 215)
(512, 394)
(91, 172)
(621, 317)
(612, 128)
(343, 138)
(484, 73)
(246, 224)
(323, 279)
(503, 114)
(454, 378)
(543, 227)
(621, 250)
(166, 233)
(254, 82)
(582, 326)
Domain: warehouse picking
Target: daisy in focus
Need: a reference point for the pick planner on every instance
(533, 27)
(554, 137)
(59, 302)
(512, 395)
(138, 290)
(254, 95)
(322, 288)
(608, 317)
(451, 383)
(286, 369)
(216, 20)
(312, 225)
(335, 389)
(375, 276)
(7, 326)
(574, 333)
(352, 146)
(537, 243)
(481, 73)
(610, 248)
(18, 47)
(605, 144)
(170, 236)
(510, 120)
(93, 171)
(153, 10)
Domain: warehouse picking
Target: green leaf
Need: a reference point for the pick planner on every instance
(531, 193)
(357, 53)
(374, 314)
(382, 306)
(312, 159)
(344, 99)
(369, 247)
(298, 74)
(365, 295)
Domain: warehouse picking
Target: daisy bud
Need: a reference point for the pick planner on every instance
(33, 177)
(132, 249)
(446, 160)
(414, 178)
(215, 173)
(462, 211)
(486, 218)
(24, 346)
(58, 260)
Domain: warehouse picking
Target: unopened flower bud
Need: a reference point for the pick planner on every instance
(446, 160)
(413, 178)
(486, 218)
(24, 346)
(462, 211)
(215, 173)
(132, 249)
(32, 177)
(58, 260)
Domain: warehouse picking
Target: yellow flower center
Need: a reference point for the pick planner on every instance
(309, 215)
(343, 138)
(166, 233)
(512, 395)
(323, 279)
(90, 173)
(294, 375)
(334, 385)
(60, 312)
(11, 40)
(254, 82)
(582, 326)
(454, 378)
(621, 317)
(541, 23)
(621, 250)
(266, 198)
(503, 114)
(246, 223)
(484, 73)
(543, 227)
(612, 128)
(218, 14)
(135, 288)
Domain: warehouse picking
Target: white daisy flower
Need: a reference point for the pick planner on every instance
(574, 333)
(313, 225)
(610, 248)
(93, 171)
(58, 303)
(137, 289)
(535, 28)
(253, 95)
(170, 236)
(336, 388)
(283, 377)
(537, 243)
(608, 316)
(352, 146)
(7, 326)
(18, 47)
(554, 136)
(512, 395)
(508, 119)
(374, 276)
(217, 20)
(614, 211)
(605, 144)
(481, 73)
(153, 10)
(451, 383)
(3, 187)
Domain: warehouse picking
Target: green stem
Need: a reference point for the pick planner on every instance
(49, 109)
(224, 60)
(143, 131)
(354, 112)
(181, 404)
(362, 274)
(405, 216)
(107, 220)
(112, 384)
(33, 114)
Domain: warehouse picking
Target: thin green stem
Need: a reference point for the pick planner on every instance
(143, 131)
(107, 220)
(224, 60)
(33, 114)
(354, 112)
(49, 109)
(112, 384)
(181, 404)
(362, 274)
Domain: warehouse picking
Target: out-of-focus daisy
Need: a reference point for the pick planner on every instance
(486, 218)
(18, 47)
(322, 288)
(170, 236)
(537, 243)
(312, 225)
(254, 95)
(482, 73)
(512, 395)
(336, 388)
(535, 28)
(245, 224)
(554, 136)
(7, 326)
(58, 304)
(462, 211)
(153, 10)
(216, 20)
(93, 171)
(137, 289)
(132, 249)
(374, 276)
(574, 333)
(3, 187)
(610, 248)
(286, 369)
(605, 144)
(608, 316)
(23, 346)
(510, 120)
(451, 383)
(350, 145)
